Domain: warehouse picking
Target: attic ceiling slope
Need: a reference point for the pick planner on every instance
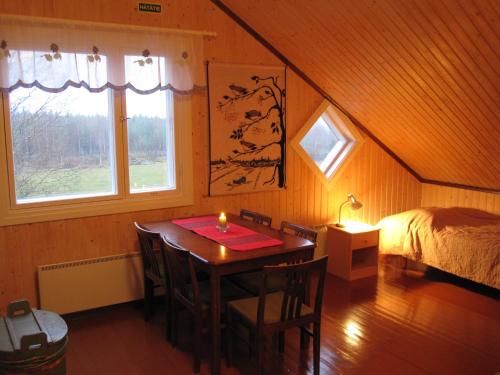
(421, 76)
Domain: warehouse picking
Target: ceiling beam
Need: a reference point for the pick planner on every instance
(460, 186)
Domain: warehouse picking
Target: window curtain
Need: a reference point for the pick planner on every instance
(53, 55)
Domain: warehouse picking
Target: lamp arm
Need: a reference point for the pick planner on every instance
(340, 212)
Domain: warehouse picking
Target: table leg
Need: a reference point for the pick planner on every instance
(215, 317)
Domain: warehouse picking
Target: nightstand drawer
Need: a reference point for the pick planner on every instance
(366, 239)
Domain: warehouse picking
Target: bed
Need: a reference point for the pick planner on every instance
(461, 241)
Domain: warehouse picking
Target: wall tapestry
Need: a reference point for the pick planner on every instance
(247, 128)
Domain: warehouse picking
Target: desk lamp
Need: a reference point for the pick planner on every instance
(355, 205)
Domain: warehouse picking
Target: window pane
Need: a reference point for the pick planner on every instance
(319, 141)
(150, 142)
(151, 152)
(62, 143)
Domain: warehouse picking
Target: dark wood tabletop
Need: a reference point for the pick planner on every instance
(214, 254)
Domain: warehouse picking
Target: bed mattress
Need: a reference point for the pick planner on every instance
(462, 241)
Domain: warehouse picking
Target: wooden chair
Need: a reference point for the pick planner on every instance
(299, 231)
(250, 281)
(256, 217)
(154, 271)
(190, 293)
(269, 314)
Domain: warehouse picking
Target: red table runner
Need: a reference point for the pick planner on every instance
(236, 238)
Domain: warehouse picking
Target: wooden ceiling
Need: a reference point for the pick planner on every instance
(422, 76)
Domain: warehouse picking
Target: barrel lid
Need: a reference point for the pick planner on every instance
(26, 332)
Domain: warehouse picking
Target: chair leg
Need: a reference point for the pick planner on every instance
(173, 319)
(304, 339)
(316, 348)
(259, 348)
(197, 344)
(148, 297)
(275, 341)
(168, 317)
(251, 338)
(281, 341)
(229, 338)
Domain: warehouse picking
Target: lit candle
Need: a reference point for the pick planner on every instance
(222, 219)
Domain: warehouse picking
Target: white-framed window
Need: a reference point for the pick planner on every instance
(61, 163)
(96, 131)
(327, 141)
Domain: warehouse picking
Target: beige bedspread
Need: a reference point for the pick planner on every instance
(462, 241)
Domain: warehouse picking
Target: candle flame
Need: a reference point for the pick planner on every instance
(222, 219)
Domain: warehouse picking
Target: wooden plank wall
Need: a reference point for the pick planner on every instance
(421, 75)
(374, 177)
(442, 196)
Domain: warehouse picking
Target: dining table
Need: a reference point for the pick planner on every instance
(218, 260)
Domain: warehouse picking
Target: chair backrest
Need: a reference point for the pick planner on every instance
(255, 217)
(299, 231)
(296, 292)
(150, 245)
(182, 273)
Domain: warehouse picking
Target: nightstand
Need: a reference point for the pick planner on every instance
(352, 251)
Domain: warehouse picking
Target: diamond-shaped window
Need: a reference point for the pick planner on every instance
(326, 141)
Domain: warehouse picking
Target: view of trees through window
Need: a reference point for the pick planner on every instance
(63, 145)
(150, 142)
(58, 152)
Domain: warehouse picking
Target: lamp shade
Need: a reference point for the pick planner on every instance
(355, 204)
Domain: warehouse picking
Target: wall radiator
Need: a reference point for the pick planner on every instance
(90, 283)
(321, 245)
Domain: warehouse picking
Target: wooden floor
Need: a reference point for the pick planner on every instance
(403, 322)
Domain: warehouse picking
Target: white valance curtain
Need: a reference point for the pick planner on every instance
(53, 55)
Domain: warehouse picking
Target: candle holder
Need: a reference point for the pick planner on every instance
(222, 227)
